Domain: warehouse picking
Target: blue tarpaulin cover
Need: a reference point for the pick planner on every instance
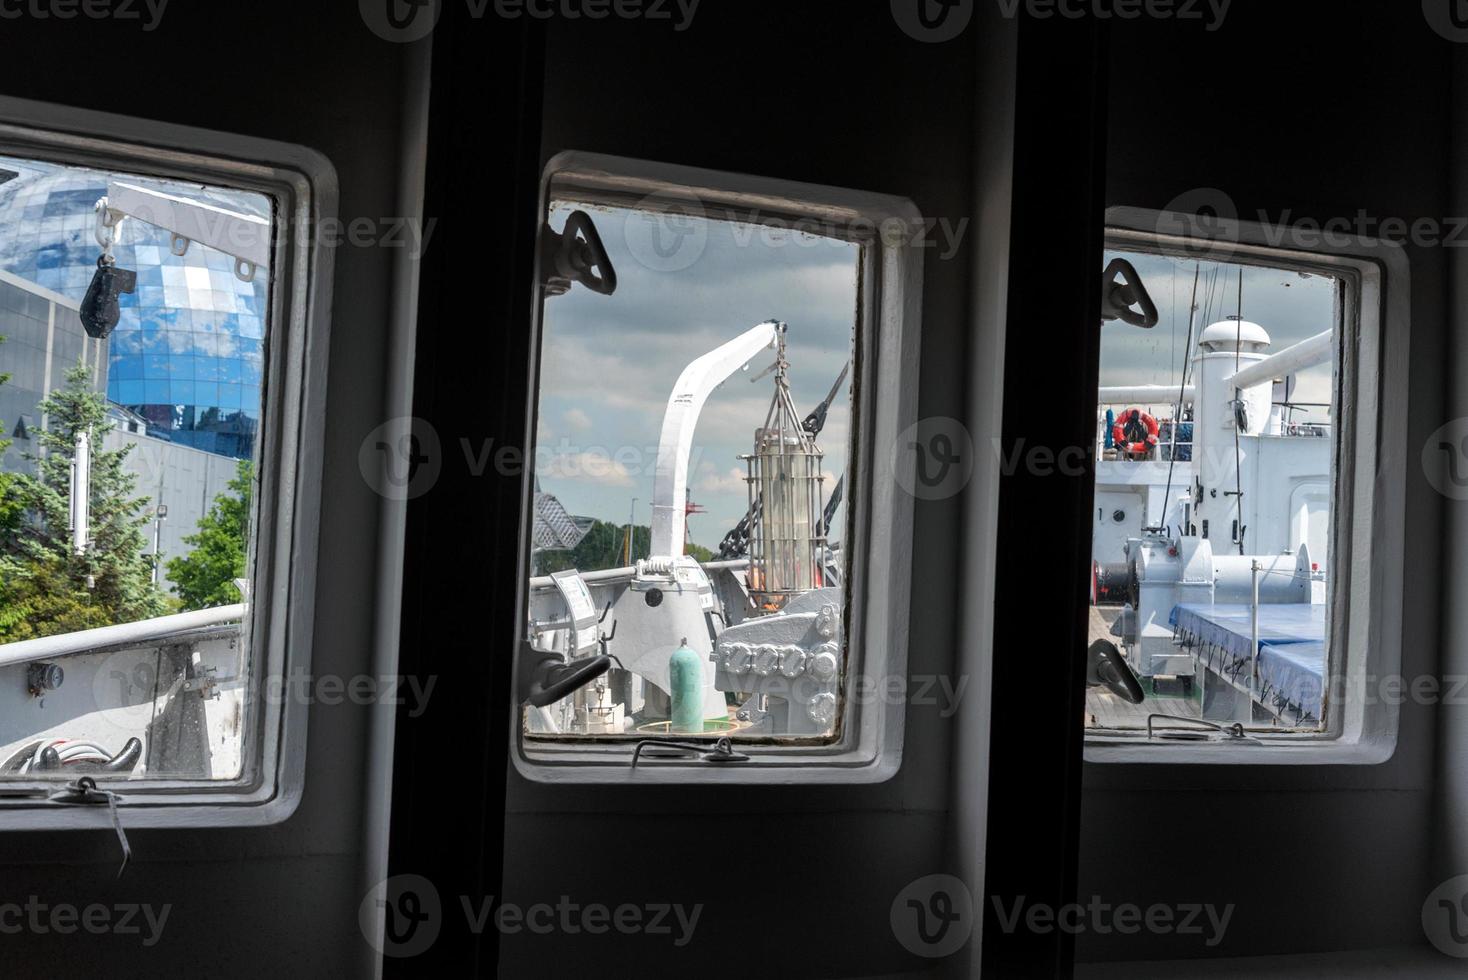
(1291, 647)
(1295, 672)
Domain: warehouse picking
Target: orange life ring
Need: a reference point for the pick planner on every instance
(1118, 432)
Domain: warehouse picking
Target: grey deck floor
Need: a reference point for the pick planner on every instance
(1106, 710)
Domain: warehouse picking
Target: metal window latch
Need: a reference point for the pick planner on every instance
(84, 792)
(573, 255)
(1124, 297)
(669, 748)
(1230, 733)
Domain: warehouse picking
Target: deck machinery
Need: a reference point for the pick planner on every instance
(767, 626)
(1242, 524)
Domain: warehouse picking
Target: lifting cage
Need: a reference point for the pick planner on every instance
(784, 479)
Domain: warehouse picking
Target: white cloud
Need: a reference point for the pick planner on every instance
(577, 419)
(589, 467)
(710, 480)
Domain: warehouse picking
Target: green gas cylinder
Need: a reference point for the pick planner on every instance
(685, 677)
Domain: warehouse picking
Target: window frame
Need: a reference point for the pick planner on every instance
(867, 747)
(303, 189)
(1368, 509)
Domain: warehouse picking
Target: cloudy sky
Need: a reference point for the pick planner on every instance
(609, 362)
(1290, 307)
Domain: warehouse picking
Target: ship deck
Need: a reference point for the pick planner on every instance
(1106, 710)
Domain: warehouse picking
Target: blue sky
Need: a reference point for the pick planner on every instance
(608, 363)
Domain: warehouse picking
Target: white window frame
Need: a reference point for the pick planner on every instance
(302, 186)
(1369, 506)
(868, 745)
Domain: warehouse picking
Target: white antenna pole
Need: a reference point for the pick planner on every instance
(81, 486)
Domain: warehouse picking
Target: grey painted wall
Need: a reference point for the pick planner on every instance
(1314, 858)
(813, 889)
(281, 900)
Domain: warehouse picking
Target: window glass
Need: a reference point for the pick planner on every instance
(692, 441)
(130, 502)
(1216, 438)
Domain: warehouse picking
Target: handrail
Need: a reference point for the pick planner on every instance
(141, 632)
(613, 574)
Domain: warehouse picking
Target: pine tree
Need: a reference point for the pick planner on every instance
(205, 576)
(112, 580)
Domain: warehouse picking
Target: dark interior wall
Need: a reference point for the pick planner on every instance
(280, 900)
(807, 92)
(1322, 110)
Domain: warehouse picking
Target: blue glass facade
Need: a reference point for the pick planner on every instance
(187, 354)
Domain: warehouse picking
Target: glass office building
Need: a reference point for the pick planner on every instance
(186, 354)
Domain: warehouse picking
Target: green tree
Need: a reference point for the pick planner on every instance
(205, 576)
(112, 580)
(605, 546)
(41, 598)
(10, 508)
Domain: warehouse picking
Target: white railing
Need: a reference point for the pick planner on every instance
(124, 634)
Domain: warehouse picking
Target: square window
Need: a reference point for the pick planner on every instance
(711, 521)
(1238, 481)
(183, 722)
